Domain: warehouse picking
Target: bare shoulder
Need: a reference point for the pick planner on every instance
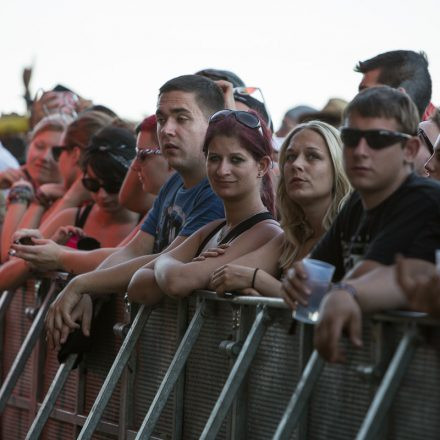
(271, 227)
(204, 231)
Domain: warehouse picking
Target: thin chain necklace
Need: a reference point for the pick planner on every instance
(226, 229)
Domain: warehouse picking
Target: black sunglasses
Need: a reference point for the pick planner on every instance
(94, 185)
(143, 153)
(376, 139)
(57, 150)
(245, 118)
(423, 136)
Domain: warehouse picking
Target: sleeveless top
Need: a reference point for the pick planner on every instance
(236, 231)
(82, 243)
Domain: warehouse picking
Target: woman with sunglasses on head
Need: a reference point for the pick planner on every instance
(105, 223)
(311, 190)
(238, 158)
(39, 169)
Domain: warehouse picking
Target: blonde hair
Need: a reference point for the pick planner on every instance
(293, 220)
(56, 122)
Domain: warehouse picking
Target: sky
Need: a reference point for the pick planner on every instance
(119, 53)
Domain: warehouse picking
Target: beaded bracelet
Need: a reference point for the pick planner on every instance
(20, 194)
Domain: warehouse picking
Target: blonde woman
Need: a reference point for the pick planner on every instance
(311, 190)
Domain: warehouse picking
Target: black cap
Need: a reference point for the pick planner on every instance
(227, 75)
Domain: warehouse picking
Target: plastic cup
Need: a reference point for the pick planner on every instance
(437, 260)
(319, 276)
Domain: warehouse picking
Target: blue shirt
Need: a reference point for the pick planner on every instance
(180, 211)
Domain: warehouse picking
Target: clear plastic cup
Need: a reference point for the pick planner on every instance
(437, 260)
(319, 276)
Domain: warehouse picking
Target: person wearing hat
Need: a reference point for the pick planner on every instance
(330, 113)
(222, 75)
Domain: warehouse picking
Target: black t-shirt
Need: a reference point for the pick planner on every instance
(407, 222)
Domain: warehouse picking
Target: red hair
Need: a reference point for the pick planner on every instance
(149, 124)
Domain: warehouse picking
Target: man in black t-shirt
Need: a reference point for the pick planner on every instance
(392, 211)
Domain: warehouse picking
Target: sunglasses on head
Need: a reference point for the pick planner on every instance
(376, 139)
(245, 118)
(424, 137)
(57, 150)
(94, 185)
(143, 153)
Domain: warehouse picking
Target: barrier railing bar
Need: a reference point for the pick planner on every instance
(389, 385)
(173, 372)
(26, 349)
(237, 374)
(243, 300)
(300, 397)
(51, 398)
(115, 372)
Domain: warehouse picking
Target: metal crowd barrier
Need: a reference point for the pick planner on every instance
(224, 368)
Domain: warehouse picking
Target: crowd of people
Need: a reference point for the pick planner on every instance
(206, 195)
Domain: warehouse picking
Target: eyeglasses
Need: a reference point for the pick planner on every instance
(376, 139)
(94, 185)
(143, 153)
(57, 150)
(424, 137)
(245, 118)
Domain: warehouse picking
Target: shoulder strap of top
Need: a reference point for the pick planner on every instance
(238, 230)
(245, 225)
(82, 214)
(209, 236)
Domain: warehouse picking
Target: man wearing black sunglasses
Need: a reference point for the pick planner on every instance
(185, 203)
(393, 211)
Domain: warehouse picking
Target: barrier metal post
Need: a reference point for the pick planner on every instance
(237, 374)
(5, 300)
(173, 373)
(389, 385)
(26, 348)
(237, 428)
(179, 389)
(115, 372)
(51, 398)
(300, 397)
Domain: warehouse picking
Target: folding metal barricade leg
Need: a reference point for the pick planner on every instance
(51, 398)
(174, 371)
(5, 300)
(26, 348)
(237, 374)
(389, 385)
(115, 373)
(300, 397)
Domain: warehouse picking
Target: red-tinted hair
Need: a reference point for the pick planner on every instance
(257, 144)
(149, 124)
